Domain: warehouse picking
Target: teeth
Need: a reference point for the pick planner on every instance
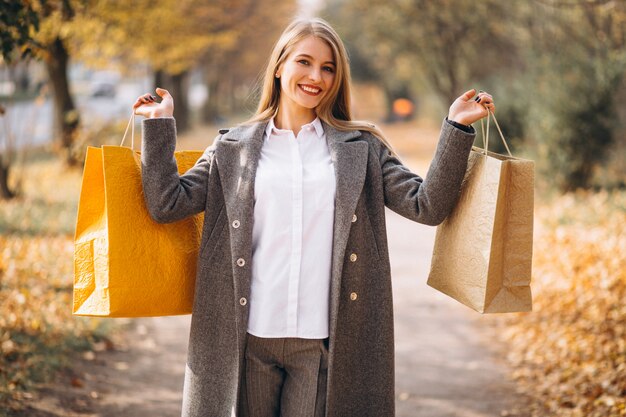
(310, 90)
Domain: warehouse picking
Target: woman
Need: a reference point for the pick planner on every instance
(293, 311)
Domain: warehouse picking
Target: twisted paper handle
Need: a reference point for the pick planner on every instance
(486, 136)
(131, 123)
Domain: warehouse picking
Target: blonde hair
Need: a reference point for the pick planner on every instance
(334, 108)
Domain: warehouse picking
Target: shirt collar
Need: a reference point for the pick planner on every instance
(317, 125)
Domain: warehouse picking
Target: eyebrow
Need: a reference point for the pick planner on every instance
(309, 56)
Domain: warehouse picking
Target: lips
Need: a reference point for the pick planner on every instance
(310, 90)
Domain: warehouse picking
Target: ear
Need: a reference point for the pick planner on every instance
(277, 72)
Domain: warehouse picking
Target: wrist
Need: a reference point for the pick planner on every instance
(465, 128)
(460, 121)
(158, 113)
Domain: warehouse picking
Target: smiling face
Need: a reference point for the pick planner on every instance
(307, 74)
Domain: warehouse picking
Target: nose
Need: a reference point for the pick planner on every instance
(315, 75)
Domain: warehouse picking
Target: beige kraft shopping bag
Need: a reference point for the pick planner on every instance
(483, 250)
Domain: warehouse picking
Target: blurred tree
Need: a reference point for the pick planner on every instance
(578, 57)
(17, 19)
(442, 45)
(171, 35)
(367, 54)
(231, 68)
(554, 66)
(51, 45)
(41, 28)
(6, 160)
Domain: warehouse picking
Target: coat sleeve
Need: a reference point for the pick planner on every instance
(429, 200)
(168, 195)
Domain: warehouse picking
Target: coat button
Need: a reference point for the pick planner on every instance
(243, 301)
(236, 224)
(353, 218)
(353, 257)
(241, 262)
(353, 296)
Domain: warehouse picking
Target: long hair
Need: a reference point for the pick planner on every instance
(335, 107)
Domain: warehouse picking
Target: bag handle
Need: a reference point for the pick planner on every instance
(131, 123)
(486, 136)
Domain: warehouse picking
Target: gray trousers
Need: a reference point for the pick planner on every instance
(284, 377)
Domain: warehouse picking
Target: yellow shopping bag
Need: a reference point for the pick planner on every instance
(126, 264)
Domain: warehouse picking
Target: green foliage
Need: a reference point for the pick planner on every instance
(433, 46)
(555, 69)
(581, 131)
(578, 74)
(18, 20)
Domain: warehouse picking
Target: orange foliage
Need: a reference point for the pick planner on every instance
(570, 352)
(38, 334)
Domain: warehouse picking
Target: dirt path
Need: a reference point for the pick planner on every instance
(443, 368)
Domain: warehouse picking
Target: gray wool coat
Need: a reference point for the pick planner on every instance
(221, 183)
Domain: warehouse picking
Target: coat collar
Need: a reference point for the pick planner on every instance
(315, 124)
(254, 133)
(237, 155)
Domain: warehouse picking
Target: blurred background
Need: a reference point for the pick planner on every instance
(71, 70)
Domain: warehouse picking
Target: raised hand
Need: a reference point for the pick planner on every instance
(468, 109)
(147, 106)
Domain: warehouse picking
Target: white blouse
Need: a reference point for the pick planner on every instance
(294, 204)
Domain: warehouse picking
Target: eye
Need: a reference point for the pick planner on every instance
(303, 60)
(329, 69)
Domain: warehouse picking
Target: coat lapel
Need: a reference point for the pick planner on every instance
(237, 155)
(349, 157)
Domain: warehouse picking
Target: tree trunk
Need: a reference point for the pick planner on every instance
(159, 80)
(180, 90)
(211, 111)
(66, 117)
(5, 191)
(178, 86)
